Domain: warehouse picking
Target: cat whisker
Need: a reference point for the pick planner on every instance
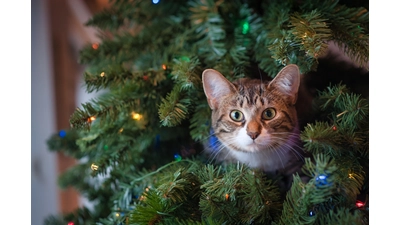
(278, 152)
(215, 149)
(292, 146)
(213, 156)
(294, 134)
(212, 133)
(261, 82)
(295, 152)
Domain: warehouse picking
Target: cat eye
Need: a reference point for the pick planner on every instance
(236, 115)
(268, 114)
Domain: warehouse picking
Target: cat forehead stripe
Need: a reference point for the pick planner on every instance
(250, 91)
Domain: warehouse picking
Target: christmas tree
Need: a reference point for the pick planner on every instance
(140, 144)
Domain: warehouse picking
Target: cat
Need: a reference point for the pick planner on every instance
(256, 122)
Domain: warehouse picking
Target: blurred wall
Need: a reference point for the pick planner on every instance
(57, 35)
(44, 195)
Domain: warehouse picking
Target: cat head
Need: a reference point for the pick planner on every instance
(253, 116)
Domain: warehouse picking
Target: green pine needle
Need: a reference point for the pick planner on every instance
(174, 108)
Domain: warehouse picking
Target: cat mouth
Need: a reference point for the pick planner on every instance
(252, 147)
(249, 146)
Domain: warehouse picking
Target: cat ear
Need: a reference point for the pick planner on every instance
(215, 87)
(288, 81)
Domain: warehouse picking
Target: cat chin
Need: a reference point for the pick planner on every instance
(247, 147)
(266, 160)
(253, 147)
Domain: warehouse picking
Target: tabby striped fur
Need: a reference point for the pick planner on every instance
(241, 120)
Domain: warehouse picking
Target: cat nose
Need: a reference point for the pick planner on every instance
(253, 135)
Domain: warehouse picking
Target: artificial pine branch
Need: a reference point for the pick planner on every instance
(186, 74)
(65, 141)
(331, 96)
(204, 221)
(207, 24)
(323, 6)
(110, 105)
(174, 108)
(343, 216)
(354, 112)
(345, 126)
(112, 51)
(116, 76)
(152, 56)
(306, 202)
(177, 190)
(181, 187)
(351, 35)
(107, 19)
(321, 138)
(102, 107)
(241, 191)
(346, 23)
(271, 36)
(311, 33)
(200, 123)
(242, 40)
(114, 17)
(152, 210)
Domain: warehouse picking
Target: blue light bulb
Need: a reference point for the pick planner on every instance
(62, 133)
(321, 180)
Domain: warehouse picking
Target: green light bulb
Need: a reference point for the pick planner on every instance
(245, 27)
